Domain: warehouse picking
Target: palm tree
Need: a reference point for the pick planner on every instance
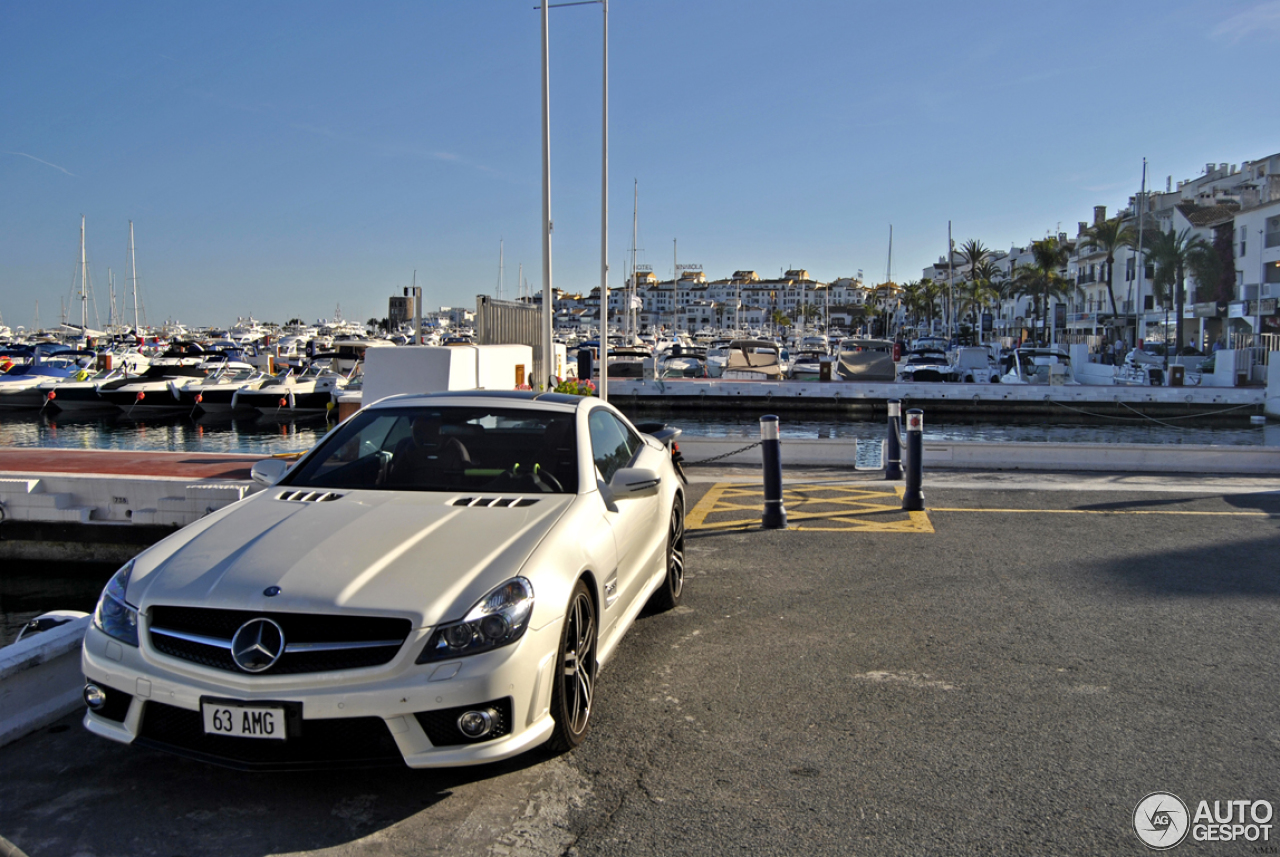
(974, 253)
(975, 295)
(934, 291)
(1173, 254)
(1043, 278)
(913, 300)
(1109, 236)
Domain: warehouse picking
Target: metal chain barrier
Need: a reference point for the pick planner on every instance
(726, 455)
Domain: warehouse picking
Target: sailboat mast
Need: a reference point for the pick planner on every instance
(888, 271)
(84, 281)
(1139, 268)
(675, 287)
(500, 272)
(635, 234)
(133, 261)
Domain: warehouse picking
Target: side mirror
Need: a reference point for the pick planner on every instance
(634, 482)
(269, 471)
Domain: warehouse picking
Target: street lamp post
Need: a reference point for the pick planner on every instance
(548, 348)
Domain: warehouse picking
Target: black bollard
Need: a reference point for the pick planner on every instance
(893, 449)
(775, 514)
(584, 364)
(913, 497)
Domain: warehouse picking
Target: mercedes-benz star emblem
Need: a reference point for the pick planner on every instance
(257, 645)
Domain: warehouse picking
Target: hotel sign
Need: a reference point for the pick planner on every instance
(690, 267)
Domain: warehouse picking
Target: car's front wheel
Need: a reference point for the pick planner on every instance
(668, 594)
(574, 689)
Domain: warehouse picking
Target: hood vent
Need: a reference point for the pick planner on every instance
(309, 496)
(494, 502)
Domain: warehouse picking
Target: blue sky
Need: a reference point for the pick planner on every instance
(282, 158)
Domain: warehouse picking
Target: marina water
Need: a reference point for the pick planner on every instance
(268, 435)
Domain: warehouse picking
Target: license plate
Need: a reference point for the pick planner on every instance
(243, 721)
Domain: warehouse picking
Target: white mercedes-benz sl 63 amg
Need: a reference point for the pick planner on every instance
(437, 582)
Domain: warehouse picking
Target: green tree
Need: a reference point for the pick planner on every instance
(1109, 236)
(974, 253)
(1173, 255)
(1043, 279)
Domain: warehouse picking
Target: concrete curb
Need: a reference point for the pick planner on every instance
(40, 679)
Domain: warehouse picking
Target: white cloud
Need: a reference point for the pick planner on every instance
(46, 163)
(1262, 20)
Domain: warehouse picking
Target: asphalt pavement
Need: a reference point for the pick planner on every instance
(1013, 678)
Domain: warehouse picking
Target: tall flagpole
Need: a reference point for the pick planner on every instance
(548, 349)
(604, 221)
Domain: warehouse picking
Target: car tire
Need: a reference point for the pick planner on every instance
(668, 594)
(573, 692)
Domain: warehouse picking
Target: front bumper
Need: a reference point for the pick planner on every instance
(387, 714)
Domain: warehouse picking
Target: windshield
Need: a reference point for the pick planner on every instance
(447, 449)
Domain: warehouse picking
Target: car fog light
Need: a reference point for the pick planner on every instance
(94, 696)
(476, 724)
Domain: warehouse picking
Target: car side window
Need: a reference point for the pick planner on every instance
(612, 444)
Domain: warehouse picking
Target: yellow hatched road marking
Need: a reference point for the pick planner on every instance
(1112, 512)
(823, 508)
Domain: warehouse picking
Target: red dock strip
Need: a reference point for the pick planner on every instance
(180, 465)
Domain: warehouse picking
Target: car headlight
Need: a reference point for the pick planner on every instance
(114, 616)
(498, 619)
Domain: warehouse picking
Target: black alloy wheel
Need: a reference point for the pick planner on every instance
(668, 594)
(575, 677)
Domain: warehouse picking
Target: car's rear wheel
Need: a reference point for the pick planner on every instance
(668, 594)
(575, 682)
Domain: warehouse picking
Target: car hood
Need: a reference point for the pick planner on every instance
(414, 555)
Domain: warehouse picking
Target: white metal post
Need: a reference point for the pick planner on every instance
(604, 220)
(548, 349)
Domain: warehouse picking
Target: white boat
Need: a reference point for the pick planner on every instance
(862, 359)
(753, 360)
(215, 393)
(1038, 366)
(311, 392)
(926, 364)
(82, 396)
(1141, 368)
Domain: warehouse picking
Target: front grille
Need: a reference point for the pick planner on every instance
(442, 726)
(342, 742)
(299, 628)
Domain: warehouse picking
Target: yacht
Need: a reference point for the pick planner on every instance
(82, 396)
(926, 364)
(753, 360)
(863, 359)
(310, 392)
(20, 386)
(1037, 366)
(215, 393)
